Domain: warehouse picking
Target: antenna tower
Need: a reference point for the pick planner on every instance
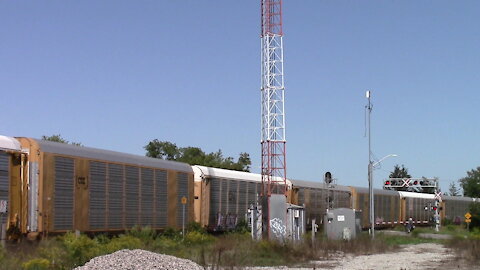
(273, 98)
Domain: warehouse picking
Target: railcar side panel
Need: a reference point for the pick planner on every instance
(115, 195)
(229, 201)
(388, 210)
(454, 209)
(97, 187)
(183, 191)
(316, 201)
(5, 186)
(87, 193)
(415, 209)
(161, 202)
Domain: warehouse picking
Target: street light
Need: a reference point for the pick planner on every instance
(371, 165)
(382, 159)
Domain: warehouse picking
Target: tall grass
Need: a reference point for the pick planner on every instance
(226, 251)
(467, 246)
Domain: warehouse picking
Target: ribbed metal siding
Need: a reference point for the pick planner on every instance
(242, 200)
(416, 209)
(455, 210)
(115, 196)
(182, 190)
(252, 194)
(343, 199)
(215, 195)
(131, 199)
(4, 183)
(63, 201)
(97, 195)
(161, 202)
(147, 203)
(232, 197)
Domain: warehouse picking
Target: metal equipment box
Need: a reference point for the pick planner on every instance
(341, 223)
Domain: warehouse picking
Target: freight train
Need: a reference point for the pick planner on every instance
(48, 187)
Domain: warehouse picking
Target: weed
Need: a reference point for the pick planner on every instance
(198, 238)
(468, 249)
(36, 264)
(80, 249)
(145, 234)
(195, 227)
(123, 242)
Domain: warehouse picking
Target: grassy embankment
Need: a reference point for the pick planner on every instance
(228, 250)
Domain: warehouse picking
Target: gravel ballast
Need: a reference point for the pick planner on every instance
(138, 259)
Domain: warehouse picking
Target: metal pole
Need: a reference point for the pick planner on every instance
(183, 221)
(314, 230)
(370, 170)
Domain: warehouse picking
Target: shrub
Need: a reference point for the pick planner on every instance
(145, 234)
(196, 238)
(475, 212)
(80, 249)
(166, 245)
(242, 227)
(123, 242)
(3, 254)
(450, 228)
(195, 227)
(171, 233)
(55, 252)
(36, 264)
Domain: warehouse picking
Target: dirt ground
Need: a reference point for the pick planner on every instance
(410, 257)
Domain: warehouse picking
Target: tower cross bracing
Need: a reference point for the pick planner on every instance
(273, 100)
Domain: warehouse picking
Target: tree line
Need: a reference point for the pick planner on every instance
(196, 156)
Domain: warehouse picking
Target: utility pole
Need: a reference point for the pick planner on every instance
(273, 109)
(370, 167)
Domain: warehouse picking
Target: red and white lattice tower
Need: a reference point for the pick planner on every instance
(273, 98)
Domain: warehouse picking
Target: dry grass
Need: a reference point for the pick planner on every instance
(467, 249)
(229, 251)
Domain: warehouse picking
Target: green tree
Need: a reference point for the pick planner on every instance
(453, 190)
(471, 183)
(162, 149)
(475, 212)
(196, 156)
(58, 138)
(399, 172)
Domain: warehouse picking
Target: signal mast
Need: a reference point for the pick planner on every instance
(273, 108)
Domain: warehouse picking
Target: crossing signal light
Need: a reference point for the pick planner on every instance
(387, 183)
(328, 177)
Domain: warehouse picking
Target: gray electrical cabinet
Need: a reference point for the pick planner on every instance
(342, 223)
(281, 221)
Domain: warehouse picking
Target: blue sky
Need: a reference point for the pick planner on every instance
(117, 74)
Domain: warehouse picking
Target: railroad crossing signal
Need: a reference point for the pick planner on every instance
(411, 184)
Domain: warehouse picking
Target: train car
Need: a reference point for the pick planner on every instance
(92, 190)
(12, 189)
(455, 208)
(315, 196)
(387, 206)
(414, 206)
(222, 197)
